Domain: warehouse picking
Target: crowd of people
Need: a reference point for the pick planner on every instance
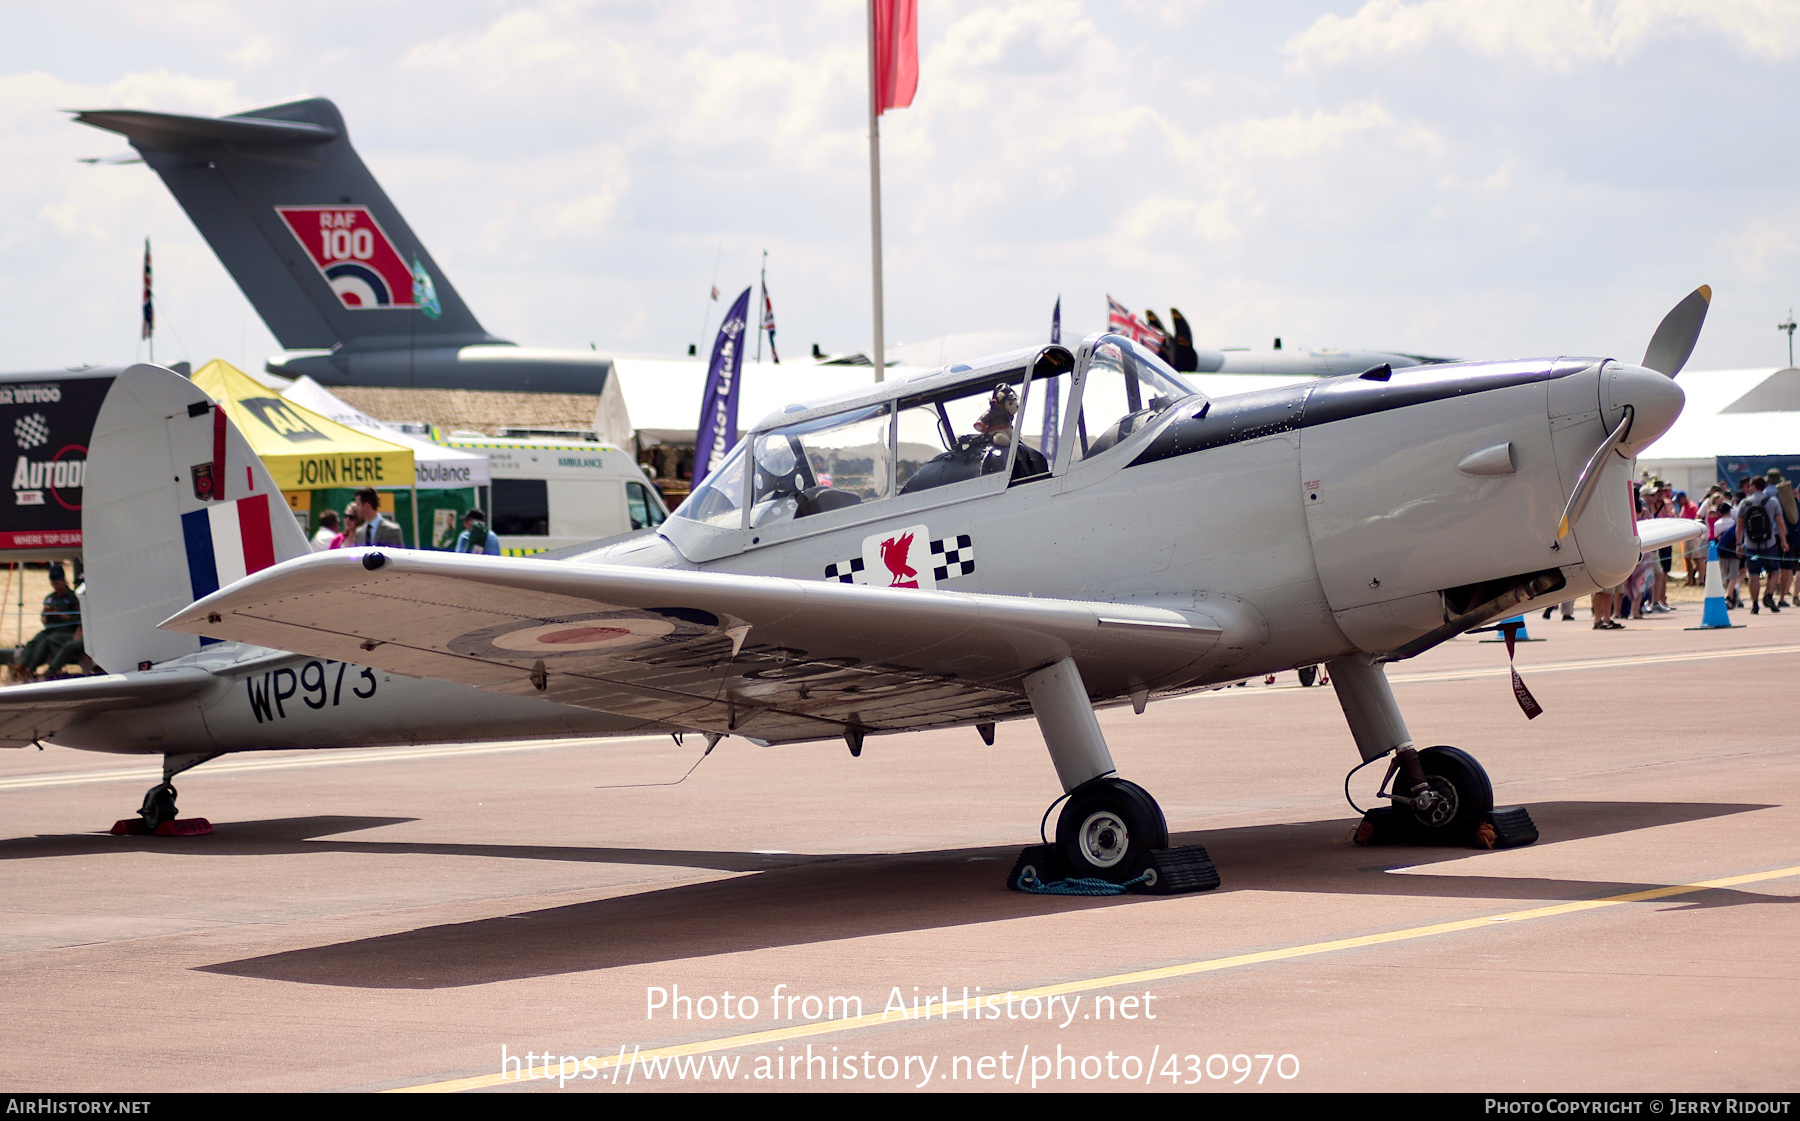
(1756, 527)
(363, 524)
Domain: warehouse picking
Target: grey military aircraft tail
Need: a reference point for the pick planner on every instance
(325, 257)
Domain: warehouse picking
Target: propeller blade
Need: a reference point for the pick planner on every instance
(1677, 333)
(1590, 475)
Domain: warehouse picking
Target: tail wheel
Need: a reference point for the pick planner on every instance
(158, 807)
(1465, 796)
(1108, 828)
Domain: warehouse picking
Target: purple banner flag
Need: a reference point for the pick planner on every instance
(1053, 393)
(718, 432)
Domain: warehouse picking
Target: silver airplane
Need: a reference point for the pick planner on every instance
(1036, 534)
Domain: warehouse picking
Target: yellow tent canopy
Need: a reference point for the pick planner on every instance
(303, 450)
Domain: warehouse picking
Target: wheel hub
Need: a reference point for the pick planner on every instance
(1437, 805)
(1104, 839)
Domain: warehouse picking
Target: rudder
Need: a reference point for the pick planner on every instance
(153, 544)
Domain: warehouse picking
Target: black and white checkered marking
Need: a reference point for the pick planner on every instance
(953, 557)
(844, 572)
(31, 430)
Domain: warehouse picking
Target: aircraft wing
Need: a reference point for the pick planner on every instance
(32, 712)
(1658, 533)
(774, 659)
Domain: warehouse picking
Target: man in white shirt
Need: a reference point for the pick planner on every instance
(328, 531)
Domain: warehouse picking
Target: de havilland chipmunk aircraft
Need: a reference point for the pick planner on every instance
(931, 553)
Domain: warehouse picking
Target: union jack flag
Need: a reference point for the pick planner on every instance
(768, 324)
(149, 328)
(1120, 321)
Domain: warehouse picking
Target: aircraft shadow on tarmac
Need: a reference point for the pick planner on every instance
(797, 900)
(300, 835)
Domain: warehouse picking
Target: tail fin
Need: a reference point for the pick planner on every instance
(299, 222)
(176, 506)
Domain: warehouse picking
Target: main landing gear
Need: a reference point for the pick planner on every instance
(1111, 836)
(1440, 796)
(157, 815)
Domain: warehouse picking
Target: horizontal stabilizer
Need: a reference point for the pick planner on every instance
(779, 659)
(37, 711)
(176, 130)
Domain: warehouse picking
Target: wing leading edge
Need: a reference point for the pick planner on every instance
(775, 659)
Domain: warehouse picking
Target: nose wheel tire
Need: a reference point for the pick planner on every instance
(1463, 797)
(1108, 828)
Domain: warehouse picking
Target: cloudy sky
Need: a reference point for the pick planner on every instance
(1462, 177)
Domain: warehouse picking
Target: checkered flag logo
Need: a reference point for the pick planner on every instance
(953, 557)
(31, 431)
(844, 572)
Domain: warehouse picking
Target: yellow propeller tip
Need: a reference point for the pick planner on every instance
(1562, 529)
(1706, 292)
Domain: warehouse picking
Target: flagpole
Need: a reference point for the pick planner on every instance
(762, 293)
(879, 357)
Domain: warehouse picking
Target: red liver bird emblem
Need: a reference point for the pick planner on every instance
(894, 552)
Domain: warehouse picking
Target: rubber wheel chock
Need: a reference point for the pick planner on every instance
(1176, 871)
(185, 827)
(1382, 825)
(1506, 827)
(1043, 862)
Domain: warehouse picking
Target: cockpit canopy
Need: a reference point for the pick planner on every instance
(1011, 415)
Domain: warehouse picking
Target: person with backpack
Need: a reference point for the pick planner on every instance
(475, 537)
(1790, 516)
(1722, 531)
(1762, 539)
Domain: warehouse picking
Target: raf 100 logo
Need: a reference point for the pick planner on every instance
(340, 243)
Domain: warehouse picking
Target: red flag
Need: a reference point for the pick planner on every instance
(896, 52)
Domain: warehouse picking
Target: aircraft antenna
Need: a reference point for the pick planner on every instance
(1788, 326)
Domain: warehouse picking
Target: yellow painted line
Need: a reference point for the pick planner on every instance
(1116, 980)
(329, 757)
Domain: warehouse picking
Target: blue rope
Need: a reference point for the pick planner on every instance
(1080, 885)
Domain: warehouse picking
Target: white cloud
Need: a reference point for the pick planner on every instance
(1554, 34)
(577, 168)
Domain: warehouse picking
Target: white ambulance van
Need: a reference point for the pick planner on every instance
(548, 492)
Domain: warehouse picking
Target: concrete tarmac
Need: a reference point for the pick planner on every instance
(395, 919)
